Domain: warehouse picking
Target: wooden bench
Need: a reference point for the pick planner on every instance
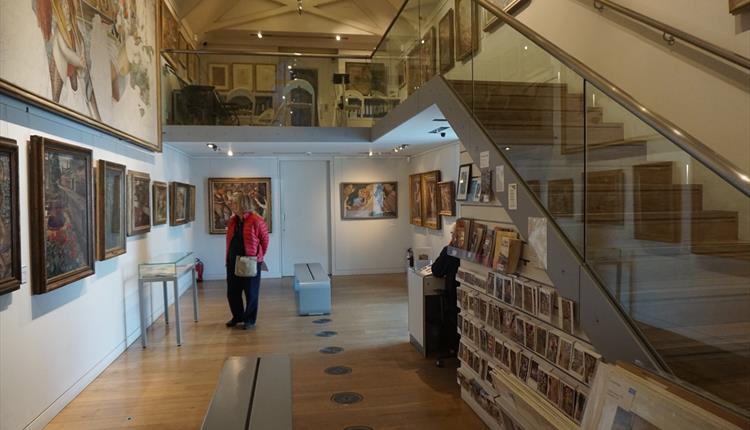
(312, 288)
(253, 393)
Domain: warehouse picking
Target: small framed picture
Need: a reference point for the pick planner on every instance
(218, 76)
(464, 180)
(447, 200)
(475, 189)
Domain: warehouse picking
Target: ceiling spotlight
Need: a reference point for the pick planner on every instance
(289, 67)
(260, 34)
(370, 153)
(507, 148)
(230, 153)
(422, 41)
(299, 7)
(212, 146)
(338, 38)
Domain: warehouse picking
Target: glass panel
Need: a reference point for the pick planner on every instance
(532, 107)
(671, 241)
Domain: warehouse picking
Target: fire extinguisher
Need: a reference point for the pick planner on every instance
(199, 269)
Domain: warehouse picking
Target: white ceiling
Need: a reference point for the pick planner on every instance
(268, 141)
(234, 23)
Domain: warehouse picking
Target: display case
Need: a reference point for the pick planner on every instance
(168, 265)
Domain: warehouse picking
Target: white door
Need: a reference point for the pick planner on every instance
(305, 214)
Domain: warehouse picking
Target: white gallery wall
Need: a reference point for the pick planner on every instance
(52, 345)
(445, 159)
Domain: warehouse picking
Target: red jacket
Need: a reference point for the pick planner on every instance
(254, 234)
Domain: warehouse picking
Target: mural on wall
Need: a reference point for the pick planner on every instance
(93, 60)
(110, 210)
(10, 244)
(62, 213)
(139, 203)
(254, 191)
(369, 200)
(159, 194)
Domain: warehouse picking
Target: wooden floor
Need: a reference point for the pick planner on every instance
(169, 387)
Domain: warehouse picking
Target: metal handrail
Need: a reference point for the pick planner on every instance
(715, 162)
(670, 34)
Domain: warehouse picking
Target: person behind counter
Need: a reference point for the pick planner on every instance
(446, 266)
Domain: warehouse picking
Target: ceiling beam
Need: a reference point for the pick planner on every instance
(248, 19)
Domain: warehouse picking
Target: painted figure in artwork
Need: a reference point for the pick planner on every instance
(390, 199)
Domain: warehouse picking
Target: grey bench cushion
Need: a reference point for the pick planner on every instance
(253, 393)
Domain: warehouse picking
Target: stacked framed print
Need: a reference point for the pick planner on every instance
(415, 199)
(464, 182)
(61, 212)
(10, 240)
(446, 42)
(179, 203)
(111, 219)
(139, 203)
(369, 200)
(430, 203)
(256, 192)
(159, 208)
(96, 63)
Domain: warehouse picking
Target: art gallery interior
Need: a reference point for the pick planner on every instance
(578, 172)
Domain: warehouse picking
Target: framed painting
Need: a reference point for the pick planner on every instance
(191, 203)
(467, 30)
(83, 72)
(464, 182)
(10, 239)
(139, 203)
(415, 199)
(367, 78)
(430, 203)
(243, 76)
(170, 28)
(447, 191)
(111, 228)
(218, 76)
(61, 212)
(255, 192)
(535, 186)
(369, 200)
(446, 43)
(159, 204)
(179, 203)
(560, 198)
(605, 197)
(401, 73)
(490, 21)
(265, 78)
(429, 59)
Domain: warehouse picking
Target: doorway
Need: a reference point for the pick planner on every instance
(305, 214)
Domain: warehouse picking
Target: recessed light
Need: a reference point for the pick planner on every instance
(230, 153)
(370, 153)
(260, 34)
(289, 67)
(338, 37)
(212, 146)
(507, 148)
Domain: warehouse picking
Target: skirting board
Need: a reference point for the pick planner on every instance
(52, 410)
(387, 270)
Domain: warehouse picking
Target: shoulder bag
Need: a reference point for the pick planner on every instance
(245, 266)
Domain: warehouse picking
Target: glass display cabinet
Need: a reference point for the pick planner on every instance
(164, 268)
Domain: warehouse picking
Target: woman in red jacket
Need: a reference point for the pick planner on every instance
(247, 234)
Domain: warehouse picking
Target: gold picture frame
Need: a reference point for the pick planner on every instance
(415, 199)
(139, 203)
(10, 241)
(179, 203)
(160, 205)
(219, 190)
(430, 203)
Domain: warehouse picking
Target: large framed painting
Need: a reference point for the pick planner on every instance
(10, 240)
(605, 197)
(191, 203)
(93, 62)
(61, 213)
(367, 78)
(179, 203)
(111, 228)
(430, 203)
(415, 199)
(490, 21)
(447, 192)
(560, 198)
(429, 59)
(159, 203)
(369, 200)
(467, 31)
(255, 191)
(139, 203)
(446, 43)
